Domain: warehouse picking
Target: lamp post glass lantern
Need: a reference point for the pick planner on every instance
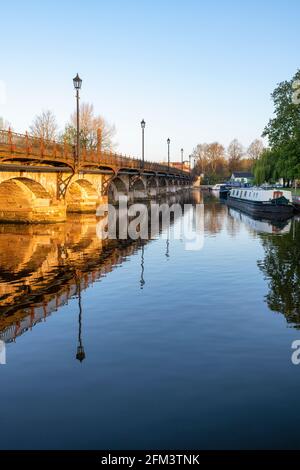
(143, 125)
(77, 82)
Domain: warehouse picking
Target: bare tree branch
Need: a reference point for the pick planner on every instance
(89, 125)
(44, 126)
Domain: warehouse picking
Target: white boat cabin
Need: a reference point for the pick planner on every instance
(219, 186)
(260, 194)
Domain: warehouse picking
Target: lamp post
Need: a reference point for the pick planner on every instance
(190, 162)
(77, 85)
(168, 142)
(167, 246)
(143, 125)
(182, 159)
(80, 354)
(142, 280)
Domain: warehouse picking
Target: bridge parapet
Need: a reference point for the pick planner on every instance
(23, 147)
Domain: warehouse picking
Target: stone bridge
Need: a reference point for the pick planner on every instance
(40, 181)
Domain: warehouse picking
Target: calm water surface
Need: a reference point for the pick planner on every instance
(149, 345)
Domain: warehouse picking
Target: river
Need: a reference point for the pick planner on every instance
(148, 344)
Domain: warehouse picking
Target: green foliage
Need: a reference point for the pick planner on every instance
(212, 178)
(281, 267)
(265, 167)
(85, 139)
(286, 123)
(282, 160)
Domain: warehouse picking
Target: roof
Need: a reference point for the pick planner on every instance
(242, 174)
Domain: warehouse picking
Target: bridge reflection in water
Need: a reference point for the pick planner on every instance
(43, 266)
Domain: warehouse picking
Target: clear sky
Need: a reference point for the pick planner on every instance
(196, 71)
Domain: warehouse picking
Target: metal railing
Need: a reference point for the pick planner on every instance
(26, 146)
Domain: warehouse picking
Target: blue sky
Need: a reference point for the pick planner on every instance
(196, 71)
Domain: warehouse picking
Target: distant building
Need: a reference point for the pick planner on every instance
(242, 177)
(185, 166)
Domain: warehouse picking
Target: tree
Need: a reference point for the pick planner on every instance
(89, 125)
(246, 164)
(210, 161)
(215, 152)
(255, 149)
(44, 126)
(281, 268)
(285, 126)
(199, 154)
(235, 153)
(265, 167)
(283, 132)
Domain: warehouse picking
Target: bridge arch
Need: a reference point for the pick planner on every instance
(116, 188)
(162, 182)
(153, 186)
(21, 192)
(25, 200)
(139, 188)
(81, 196)
(153, 182)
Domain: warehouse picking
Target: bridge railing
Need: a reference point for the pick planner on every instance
(24, 145)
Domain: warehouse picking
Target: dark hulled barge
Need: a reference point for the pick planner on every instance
(259, 202)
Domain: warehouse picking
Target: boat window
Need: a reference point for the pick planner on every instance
(245, 193)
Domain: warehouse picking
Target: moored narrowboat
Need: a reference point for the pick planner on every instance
(270, 203)
(221, 190)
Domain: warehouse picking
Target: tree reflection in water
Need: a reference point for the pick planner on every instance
(281, 267)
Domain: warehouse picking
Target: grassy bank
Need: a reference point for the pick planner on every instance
(296, 191)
